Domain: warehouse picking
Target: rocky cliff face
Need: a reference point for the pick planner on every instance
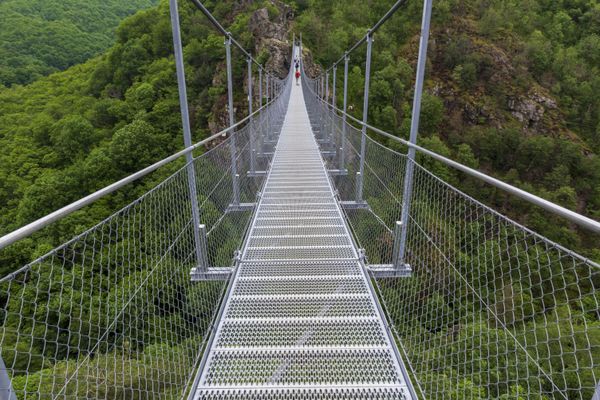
(530, 109)
(271, 32)
(273, 35)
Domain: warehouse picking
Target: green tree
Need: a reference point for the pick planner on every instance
(135, 146)
(432, 114)
(43, 36)
(72, 137)
(539, 52)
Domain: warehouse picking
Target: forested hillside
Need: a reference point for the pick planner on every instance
(38, 37)
(511, 89)
(74, 132)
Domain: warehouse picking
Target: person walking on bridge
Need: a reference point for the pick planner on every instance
(297, 76)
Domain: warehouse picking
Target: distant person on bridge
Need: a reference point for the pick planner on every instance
(297, 76)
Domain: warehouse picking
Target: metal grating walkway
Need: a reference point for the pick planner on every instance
(301, 320)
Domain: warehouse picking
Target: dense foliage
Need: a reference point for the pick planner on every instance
(75, 132)
(510, 90)
(44, 36)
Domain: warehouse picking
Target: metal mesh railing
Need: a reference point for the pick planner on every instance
(226, 225)
(113, 313)
(491, 309)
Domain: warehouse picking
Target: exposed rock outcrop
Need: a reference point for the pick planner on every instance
(498, 75)
(530, 109)
(272, 34)
(262, 27)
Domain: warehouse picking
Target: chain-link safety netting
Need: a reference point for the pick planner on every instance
(114, 313)
(491, 309)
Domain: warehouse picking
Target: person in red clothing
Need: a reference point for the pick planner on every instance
(297, 76)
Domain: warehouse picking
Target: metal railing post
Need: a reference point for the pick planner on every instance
(414, 130)
(251, 121)
(322, 109)
(345, 105)
(233, 146)
(260, 91)
(332, 112)
(320, 87)
(261, 119)
(333, 85)
(326, 87)
(363, 139)
(326, 125)
(267, 86)
(273, 114)
(187, 134)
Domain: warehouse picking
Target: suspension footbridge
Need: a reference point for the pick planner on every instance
(300, 258)
(301, 316)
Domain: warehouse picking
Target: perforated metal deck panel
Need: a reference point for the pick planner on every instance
(301, 320)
